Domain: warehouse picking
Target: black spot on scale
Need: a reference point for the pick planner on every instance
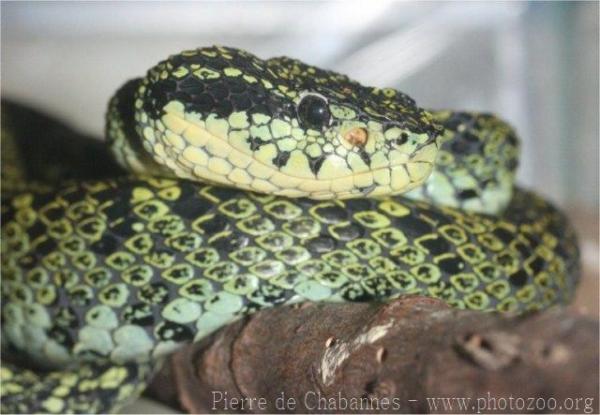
(358, 205)
(537, 264)
(203, 103)
(192, 86)
(255, 143)
(45, 247)
(168, 331)
(368, 189)
(224, 193)
(191, 207)
(241, 102)
(436, 246)
(452, 265)
(504, 235)
(401, 140)
(315, 163)
(230, 243)
(320, 244)
(413, 226)
(365, 156)
(214, 225)
(467, 194)
(519, 278)
(281, 159)
(105, 246)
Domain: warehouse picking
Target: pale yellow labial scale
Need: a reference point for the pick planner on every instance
(399, 179)
(239, 140)
(418, 171)
(297, 166)
(196, 156)
(258, 170)
(174, 123)
(382, 176)
(240, 160)
(341, 151)
(196, 136)
(170, 163)
(342, 184)
(310, 186)
(282, 180)
(184, 163)
(239, 176)
(206, 175)
(172, 153)
(266, 154)
(263, 186)
(219, 166)
(381, 191)
(363, 179)
(379, 160)
(333, 167)
(184, 171)
(356, 163)
(427, 153)
(397, 157)
(218, 148)
(174, 140)
(291, 193)
(217, 126)
(323, 195)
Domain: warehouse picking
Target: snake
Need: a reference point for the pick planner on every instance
(230, 184)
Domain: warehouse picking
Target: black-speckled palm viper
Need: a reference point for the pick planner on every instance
(254, 183)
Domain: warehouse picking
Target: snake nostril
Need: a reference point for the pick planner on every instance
(357, 136)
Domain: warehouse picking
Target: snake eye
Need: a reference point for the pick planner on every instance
(313, 112)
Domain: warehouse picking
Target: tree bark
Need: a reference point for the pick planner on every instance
(404, 356)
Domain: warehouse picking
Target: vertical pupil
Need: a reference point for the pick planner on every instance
(313, 112)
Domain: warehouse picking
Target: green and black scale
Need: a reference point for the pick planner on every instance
(106, 272)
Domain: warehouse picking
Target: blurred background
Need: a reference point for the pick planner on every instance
(533, 63)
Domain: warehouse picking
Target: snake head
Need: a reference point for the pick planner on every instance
(280, 126)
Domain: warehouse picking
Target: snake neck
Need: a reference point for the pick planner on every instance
(123, 139)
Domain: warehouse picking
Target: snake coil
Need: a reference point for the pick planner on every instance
(247, 184)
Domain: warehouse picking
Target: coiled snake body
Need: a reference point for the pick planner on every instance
(251, 184)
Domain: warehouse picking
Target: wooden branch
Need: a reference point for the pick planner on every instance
(393, 357)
